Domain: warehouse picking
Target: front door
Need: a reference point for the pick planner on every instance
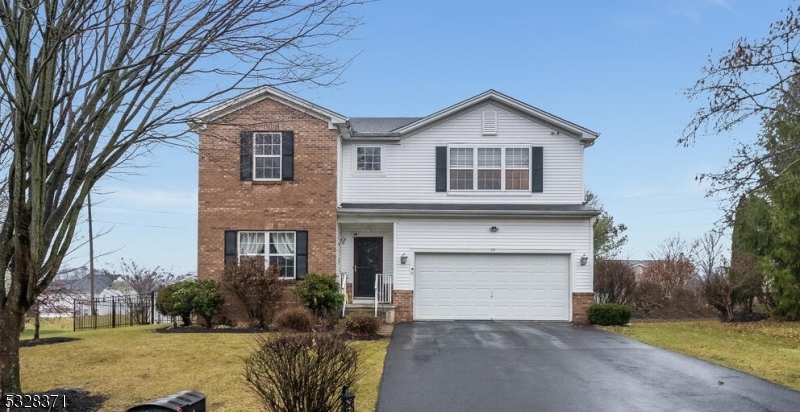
(369, 261)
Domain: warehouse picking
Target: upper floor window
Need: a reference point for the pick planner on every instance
(267, 156)
(368, 158)
(489, 168)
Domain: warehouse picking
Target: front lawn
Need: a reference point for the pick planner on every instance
(767, 349)
(132, 365)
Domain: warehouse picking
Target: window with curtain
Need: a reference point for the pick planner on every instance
(278, 248)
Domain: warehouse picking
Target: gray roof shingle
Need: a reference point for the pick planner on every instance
(378, 126)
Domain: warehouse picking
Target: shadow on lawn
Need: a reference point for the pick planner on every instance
(45, 341)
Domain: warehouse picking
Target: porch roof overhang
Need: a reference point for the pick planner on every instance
(467, 209)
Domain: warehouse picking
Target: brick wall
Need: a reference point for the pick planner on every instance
(227, 203)
(580, 303)
(403, 301)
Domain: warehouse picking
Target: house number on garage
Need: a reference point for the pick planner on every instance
(492, 250)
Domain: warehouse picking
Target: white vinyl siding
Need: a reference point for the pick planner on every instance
(409, 168)
(364, 230)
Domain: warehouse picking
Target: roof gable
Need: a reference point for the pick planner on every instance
(200, 119)
(581, 133)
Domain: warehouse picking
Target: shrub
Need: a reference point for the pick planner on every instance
(717, 293)
(175, 300)
(206, 299)
(606, 314)
(200, 297)
(614, 281)
(361, 324)
(256, 287)
(301, 372)
(295, 318)
(320, 293)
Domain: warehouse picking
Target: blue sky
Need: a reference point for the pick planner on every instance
(616, 67)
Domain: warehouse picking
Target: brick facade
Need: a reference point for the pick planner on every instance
(227, 203)
(580, 303)
(403, 301)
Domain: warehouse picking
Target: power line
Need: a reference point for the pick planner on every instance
(146, 210)
(142, 225)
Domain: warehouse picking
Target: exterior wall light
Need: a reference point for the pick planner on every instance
(584, 259)
(494, 229)
(403, 259)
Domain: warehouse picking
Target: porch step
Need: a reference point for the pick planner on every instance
(385, 310)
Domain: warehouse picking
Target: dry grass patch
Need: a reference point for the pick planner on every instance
(132, 365)
(767, 349)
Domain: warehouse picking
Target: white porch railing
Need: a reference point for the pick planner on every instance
(343, 283)
(383, 289)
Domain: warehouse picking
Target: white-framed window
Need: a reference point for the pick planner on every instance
(368, 158)
(267, 156)
(489, 168)
(273, 248)
(462, 161)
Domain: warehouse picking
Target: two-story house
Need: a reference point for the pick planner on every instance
(475, 211)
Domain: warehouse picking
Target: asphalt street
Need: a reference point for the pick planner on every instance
(529, 366)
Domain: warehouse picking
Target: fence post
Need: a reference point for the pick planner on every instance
(74, 314)
(348, 400)
(152, 308)
(113, 312)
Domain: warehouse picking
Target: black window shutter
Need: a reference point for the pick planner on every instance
(230, 247)
(246, 155)
(441, 168)
(301, 262)
(537, 170)
(287, 154)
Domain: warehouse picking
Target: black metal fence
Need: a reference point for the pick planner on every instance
(116, 311)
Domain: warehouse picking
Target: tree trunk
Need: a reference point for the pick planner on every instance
(12, 322)
(37, 320)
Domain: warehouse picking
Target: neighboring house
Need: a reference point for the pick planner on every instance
(476, 211)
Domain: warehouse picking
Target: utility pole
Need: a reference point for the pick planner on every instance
(91, 255)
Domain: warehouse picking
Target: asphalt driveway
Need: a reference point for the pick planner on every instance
(528, 366)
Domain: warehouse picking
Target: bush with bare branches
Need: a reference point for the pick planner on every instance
(256, 287)
(301, 372)
(614, 282)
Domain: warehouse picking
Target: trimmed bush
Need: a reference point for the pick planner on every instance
(300, 372)
(606, 314)
(296, 318)
(200, 297)
(361, 324)
(206, 300)
(319, 293)
(176, 300)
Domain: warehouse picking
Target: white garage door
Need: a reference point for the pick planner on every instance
(491, 286)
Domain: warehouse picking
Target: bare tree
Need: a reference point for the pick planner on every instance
(752, 80)
(668, 287)
(144, 280)
(86, 86)
(709, 253)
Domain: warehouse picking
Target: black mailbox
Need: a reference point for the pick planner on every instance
(185, 401)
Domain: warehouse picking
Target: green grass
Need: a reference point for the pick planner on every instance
(132, 365)
(768, 349)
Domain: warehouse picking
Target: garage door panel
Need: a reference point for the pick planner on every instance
(492, 286)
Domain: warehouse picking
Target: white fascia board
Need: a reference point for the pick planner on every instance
(583, 134)
(256, 95)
